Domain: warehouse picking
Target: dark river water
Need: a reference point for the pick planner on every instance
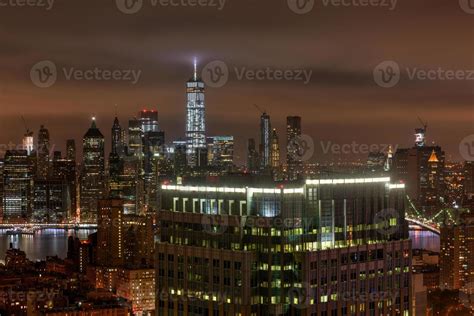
(47, 242)
(51, 242)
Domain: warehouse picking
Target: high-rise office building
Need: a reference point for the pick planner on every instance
(116, 158)
(51, 200)
(138, 241)
(195, 118)
(293, 158)
(28, 142)
(253, 164)
(469, 180)
(110, 248)
(220, 151)
(43, 167)
(71, 150)
(265, 141)
(138, 287)
(1, 187)
(64, 170)
(149, 121)
(420, 135)
(180, 162)
(17, 186)
(153, 146)
(323, 247)
(117, 138)
(456, 259)
(93, 173)
(135, 143)
(422, 170)
(275, 150)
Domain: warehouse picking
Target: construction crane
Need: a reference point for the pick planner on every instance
(424, 124)
(259, 108)
(28, 132)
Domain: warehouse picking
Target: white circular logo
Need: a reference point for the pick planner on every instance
(301, 148)
(44, 74)
(466, 148)
(387, 74)
(383, 220)
(467, 6)
(215, 74)
(301, 6)
(129, 6)
(215, 224)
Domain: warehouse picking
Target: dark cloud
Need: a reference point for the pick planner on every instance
(341, 46)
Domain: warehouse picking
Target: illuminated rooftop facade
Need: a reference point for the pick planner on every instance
(282, 188)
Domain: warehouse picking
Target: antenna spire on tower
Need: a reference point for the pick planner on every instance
(195, 68)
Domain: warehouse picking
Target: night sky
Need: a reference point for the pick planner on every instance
(340, 45)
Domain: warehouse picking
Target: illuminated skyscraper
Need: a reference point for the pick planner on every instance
(110, 248)
(275, 150)
(195, 117)
(265, 141)
(422, 170)
(93, 172)
(18, 186)
(293, 158)
(149, 121)
(28, 142)
(135, 143)
(43, 153)
(469, 179)
(420, 137)
(64, 170)
(221, 152)
(71, 150)
(117, 138)
(324, 247)
(252, 156)
(456, 260)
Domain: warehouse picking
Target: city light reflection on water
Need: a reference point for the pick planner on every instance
(424, 240)
(47, 242)
(51, 242)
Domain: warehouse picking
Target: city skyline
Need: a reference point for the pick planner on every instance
(341, 88)
(237, 157)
